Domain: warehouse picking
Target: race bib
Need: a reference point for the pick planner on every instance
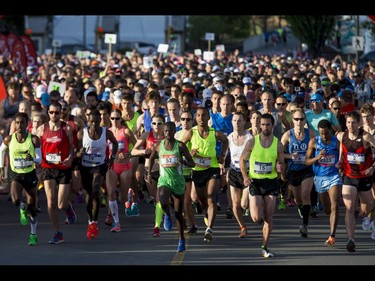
(202, 162)
(22, 163)
(53, 158)
(93, 159)
(169, 160)
(356, 158)
(327, 160)
(120, 145)
(262, 168)
(300, 159)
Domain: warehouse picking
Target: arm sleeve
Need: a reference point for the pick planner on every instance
(38, 156)
(3, 148)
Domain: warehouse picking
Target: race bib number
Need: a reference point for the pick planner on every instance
(327, 160)
(92, 158)
(356, 158)
(202, 162)
(300, 159)
(53, 158)
(169, 161)
(120, 146)
(262, 168)
(236, 164)
(22, 163)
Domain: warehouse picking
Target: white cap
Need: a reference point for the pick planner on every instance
(219, 87)
(143, 82)
(29, 70)
(216, 67)
(201, 74)
(117, 96)
(40, 90)
(207, 93)
(187, 80)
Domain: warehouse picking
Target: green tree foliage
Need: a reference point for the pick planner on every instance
(312, 30)
(227, 29)
(15, 24)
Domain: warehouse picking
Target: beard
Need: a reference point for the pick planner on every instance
(266, 133)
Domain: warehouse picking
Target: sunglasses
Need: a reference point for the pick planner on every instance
(186, 119)
(315, 100)
(299, 119)
(281, 104)
(54, 112)
(337, 108)
(115, 118)
(157, 123)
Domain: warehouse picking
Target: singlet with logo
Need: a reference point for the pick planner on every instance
(300, 147)
(263, 160)
(326, 166)
(236, 151)
(170, 161)
(95, 150)
(18, 152)
(206, 154)
(55, 147)
(123, 142)
(356, 158)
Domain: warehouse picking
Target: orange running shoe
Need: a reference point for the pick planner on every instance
(243, 232)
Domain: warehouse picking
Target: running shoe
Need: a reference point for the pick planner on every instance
(205, 219)
(109, 220)
(350, 246)
(282, 204)
(181, 245)
(373, 230)
(299, 213)
(314, 212)
(134, 210)
(208, 235)
(229, 213)
(290, 202)
(33, 240)
(156, 232)
(243, 232)
(24, 218)
(57, 238)
(193, 230)
(218, 206)
(366, 223)
(330, 242)
(116, 227)
(247, 212)
(92, 230)
(266, 253)
(71, 216)
(303, 229)
(167, 223)
(128, 204)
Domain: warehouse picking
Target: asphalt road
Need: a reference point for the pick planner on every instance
(136, 246)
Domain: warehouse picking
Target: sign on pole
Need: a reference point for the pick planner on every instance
(209, 36)
(110, 38)
(358, 43)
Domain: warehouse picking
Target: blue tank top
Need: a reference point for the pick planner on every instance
(222, 124)
(147, 119)
(11, 110)
(178, 128)
(300, 147)
(326, 166)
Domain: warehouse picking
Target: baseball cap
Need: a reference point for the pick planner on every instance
(246, 80)
(187, 80)
(219, 87)
(326, 82)
(45, 100)
(215, 68)
(207, 93)
(288, 97)
(40, 90)
(316, 97)
(117, 95)
(143, 82)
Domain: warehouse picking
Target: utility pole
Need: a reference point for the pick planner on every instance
(357, 52)
(84, 33)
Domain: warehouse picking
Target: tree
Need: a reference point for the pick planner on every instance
(312, 30)
(227, 29)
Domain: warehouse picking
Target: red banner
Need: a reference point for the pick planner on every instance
(372, 18)
(11, 38)
(19, 57)
(30, 53)
(3, 91)
(4, 48)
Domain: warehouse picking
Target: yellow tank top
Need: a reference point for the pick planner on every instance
(18, 152)
(206, 150)
(263, 160)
